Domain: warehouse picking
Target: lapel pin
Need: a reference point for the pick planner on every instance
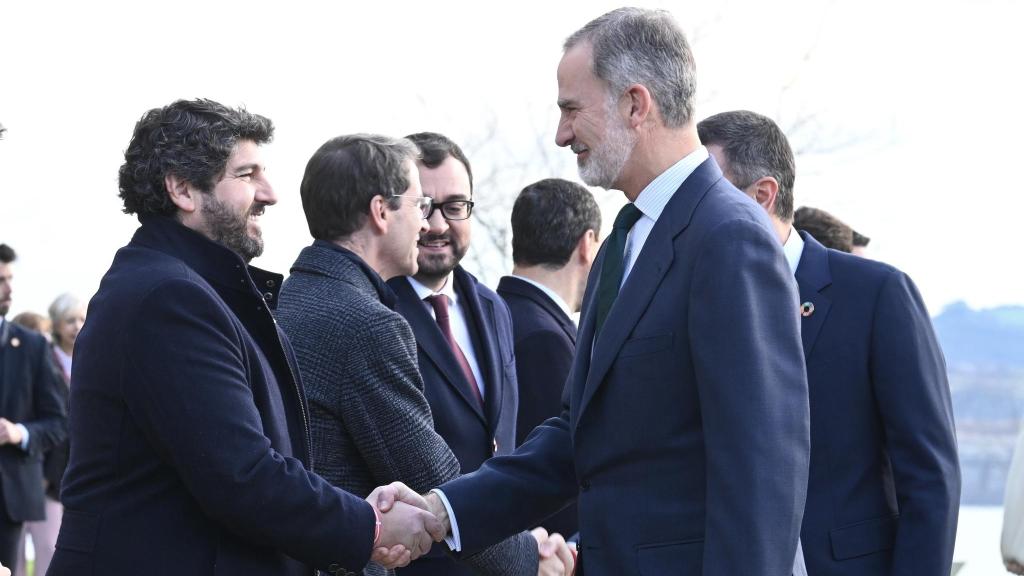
(15, 342)
(806, 309)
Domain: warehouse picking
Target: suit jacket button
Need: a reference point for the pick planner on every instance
(585, 485)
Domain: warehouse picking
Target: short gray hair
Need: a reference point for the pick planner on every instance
(754, 147)
(639, 46)
(61, 307)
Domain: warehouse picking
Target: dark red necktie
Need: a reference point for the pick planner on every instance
(440, 304)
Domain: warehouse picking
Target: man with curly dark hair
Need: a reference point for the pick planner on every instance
(190, 443)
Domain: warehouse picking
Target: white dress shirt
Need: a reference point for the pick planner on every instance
(652, 201)
(793, 249)
(457, 322)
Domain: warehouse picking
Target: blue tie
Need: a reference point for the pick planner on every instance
(611, 270)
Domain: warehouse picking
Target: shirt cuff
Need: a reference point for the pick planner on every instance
(453, 541)
(24, 436)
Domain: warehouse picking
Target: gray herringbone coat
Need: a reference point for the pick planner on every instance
(370, 423)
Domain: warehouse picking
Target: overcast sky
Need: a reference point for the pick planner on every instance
(908, 113)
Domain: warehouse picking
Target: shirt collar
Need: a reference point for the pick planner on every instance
(422, 292)
(793, 249)
(550, 294)
(655, 196)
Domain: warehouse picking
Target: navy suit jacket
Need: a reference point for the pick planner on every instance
(685, 433)
(474, 433)
(189, 437)
(32, 395)
(545, 342)
(884, 486)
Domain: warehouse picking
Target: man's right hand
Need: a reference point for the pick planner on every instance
(407, 530)
(556, 555)
(385, 497)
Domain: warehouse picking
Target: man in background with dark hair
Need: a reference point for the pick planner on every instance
(32, 418)
(555, 228)
(190, 440)
(830, 231)
(463, 329)
(370, 421)
(884, 487)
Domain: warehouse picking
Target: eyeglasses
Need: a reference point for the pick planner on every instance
(423, 203)
(452, 209)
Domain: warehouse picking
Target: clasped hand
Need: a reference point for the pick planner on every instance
(556, 557)
(407, 529)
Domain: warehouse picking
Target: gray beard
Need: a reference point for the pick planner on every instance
(606, 160)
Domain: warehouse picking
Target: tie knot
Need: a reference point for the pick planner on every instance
(627, 217)
(439, 302)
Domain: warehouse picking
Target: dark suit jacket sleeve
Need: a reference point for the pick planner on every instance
(49, 425)
(909, 379)
(186, 388)
(388, 417)
(752, 385)
(514, 492)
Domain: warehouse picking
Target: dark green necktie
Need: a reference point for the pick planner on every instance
(611, 270)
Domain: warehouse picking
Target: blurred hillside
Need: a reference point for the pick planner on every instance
(985, 357)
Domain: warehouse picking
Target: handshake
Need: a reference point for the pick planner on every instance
(411, 523)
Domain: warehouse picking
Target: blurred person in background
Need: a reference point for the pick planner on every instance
(830, 231)
(34, 321)
(32, 418)
(860, 244)
(67, 316)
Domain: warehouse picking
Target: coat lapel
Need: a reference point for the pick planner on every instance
(481, 315)
(813, 276)
(634, 298)
(433, 344)
(526, 290)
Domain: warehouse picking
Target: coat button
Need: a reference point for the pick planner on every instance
(584, 485)
(268, 296)
(270, 283)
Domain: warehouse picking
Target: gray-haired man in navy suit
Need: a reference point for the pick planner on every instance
(884, 487)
